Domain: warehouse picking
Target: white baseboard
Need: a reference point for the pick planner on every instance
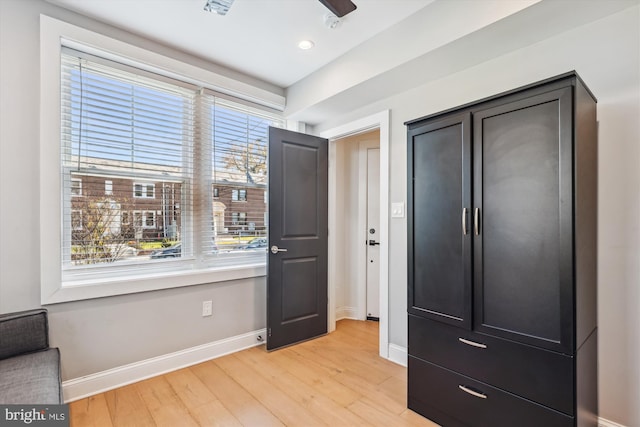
(346, 313)
(79, 388)
(606, 423)
(398, 354)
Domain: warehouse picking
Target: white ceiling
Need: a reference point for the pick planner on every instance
(257, 37)
(383, 48)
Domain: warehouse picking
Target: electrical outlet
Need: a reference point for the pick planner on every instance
(207, 308)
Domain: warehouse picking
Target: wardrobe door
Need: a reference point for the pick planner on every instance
(439, 242)
(523, 275)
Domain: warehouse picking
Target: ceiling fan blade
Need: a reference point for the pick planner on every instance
(339, 7)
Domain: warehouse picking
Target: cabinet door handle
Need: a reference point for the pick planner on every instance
(472, 392)
(472, 343)
(476, 221)
(464, 221)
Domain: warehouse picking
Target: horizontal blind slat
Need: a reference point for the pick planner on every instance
(141, 160)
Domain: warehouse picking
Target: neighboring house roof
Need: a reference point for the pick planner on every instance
(157, 172)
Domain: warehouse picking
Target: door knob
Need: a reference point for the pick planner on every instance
(275, 249)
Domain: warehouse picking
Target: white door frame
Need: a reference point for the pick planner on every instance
(376, 121)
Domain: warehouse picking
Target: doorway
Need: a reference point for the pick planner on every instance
(357, 246)
(380, 122)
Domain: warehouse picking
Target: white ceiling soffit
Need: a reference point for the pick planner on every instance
(451, 36)
(256, 37)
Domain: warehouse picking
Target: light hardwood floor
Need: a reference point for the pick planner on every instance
(335, 380)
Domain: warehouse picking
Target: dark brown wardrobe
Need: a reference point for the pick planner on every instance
(502, 260)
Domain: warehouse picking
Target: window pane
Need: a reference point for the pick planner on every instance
(239, 163)
(123, 137)
(159, 167)
(76, 187)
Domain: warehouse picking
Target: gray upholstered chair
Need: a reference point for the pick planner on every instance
(29, 369)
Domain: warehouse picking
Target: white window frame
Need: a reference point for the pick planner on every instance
(108, 188)
(235, 195)
(144, 193)
(79, 187)
(144, 215)
(53, 35)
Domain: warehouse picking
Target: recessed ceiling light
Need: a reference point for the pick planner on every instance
(306, 44)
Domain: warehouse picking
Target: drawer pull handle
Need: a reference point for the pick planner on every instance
(471, 343)
(472, 392)
(464, 221)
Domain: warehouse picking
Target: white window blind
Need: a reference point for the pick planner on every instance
(149, 152)
(239, 144)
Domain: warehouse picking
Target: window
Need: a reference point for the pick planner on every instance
(159, 146)
(144, 191)
(238, 195)
(144, 219)
(76, 187)
(239, 218)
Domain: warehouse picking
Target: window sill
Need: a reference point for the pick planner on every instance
(88, 289)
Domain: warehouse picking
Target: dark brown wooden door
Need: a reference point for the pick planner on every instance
(298, 224)
(439, 220)
(523, 207)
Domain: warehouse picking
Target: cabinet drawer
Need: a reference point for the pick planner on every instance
(453, 399)
(539, 375)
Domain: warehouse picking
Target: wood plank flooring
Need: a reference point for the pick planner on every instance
(335, 380)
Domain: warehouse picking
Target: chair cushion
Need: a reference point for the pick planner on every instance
(23, 332)
(32, 378)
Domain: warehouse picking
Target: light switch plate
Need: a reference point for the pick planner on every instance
(397, 210)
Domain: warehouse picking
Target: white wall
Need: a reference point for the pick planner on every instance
(100, 334)
(606, 53)
(345, 233)
(103, 333)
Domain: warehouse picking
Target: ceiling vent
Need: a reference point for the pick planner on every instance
(221, 7)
